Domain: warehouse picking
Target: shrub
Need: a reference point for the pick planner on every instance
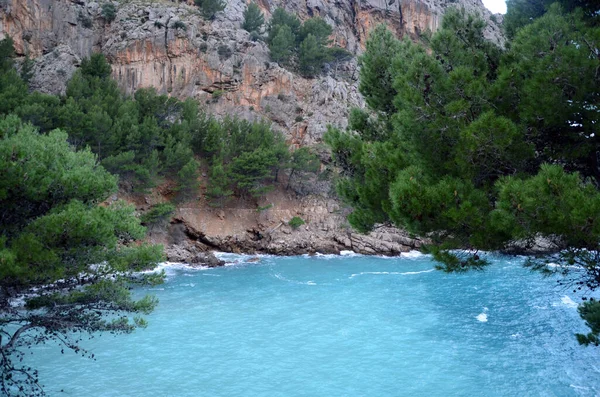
(299, 119)
(253, 18)
(209, 8)
(109, 12)
(264, 208)
(86, 21)
(157, 214)
(255, 36)
(296, 222)
(224, 52)
(179, 25)
(159, 24)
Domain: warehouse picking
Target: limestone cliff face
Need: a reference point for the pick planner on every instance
(147, 50)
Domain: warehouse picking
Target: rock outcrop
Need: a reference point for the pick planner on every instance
(241, 227)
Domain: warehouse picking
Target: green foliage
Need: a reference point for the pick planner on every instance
(179, 25)
(218, 188)
(282, 45)
(253, 18)
(27, 70)
(477, 149)
(555, 92)
(303, 46)
(96, 66)
(109, 12)
(302, 162)
(310, 56)
(520, 13)
(590, 312)
(158, 214)
(68, 256)
(7, 53)
(12, 89)
(249, 154)
(296, 222)
(187, 180)
(264, 207)
(209, 8)
(376, 75)
(281, 18)
(318, 28)
(149, 137)
(85, 20)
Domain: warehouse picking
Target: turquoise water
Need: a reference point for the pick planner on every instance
(341, 326)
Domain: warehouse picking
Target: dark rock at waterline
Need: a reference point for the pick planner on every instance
(191, 253)
(207, 259)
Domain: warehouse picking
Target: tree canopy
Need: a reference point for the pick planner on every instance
(69, 259)
(304, 47)
(477, 148)
(253, 18)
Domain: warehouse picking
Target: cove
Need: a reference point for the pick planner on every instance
(340, 326)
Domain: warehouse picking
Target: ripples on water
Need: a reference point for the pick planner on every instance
(341, 326)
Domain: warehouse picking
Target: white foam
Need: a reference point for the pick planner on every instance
(412, 254)
(422, 271)
(349, 253)
(482, 317)
(287, 280)
(171, 268)
(325, 256)
(579, 387)
(392, 273)
(567, 301)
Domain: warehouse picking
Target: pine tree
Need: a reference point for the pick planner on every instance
(282, 45)
(310, 56)
(209, 8)
(253, 18)
(282, 18)
(376, 75)
(302, 161)
(53, 236)
(187, 181)
(318, 28)
(218, 188)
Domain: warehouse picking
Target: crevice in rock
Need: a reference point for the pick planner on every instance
(168, 82)
(195, 235)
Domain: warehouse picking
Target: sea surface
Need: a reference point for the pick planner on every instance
(340, 326)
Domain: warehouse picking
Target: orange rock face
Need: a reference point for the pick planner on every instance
(213, 61)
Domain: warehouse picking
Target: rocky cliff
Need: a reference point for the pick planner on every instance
(146, 49)
(169, 46)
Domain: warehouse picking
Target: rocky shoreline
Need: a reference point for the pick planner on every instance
(197, 248)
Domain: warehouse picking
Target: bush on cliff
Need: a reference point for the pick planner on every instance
(303, 46)
(253, 19)
(209, 8)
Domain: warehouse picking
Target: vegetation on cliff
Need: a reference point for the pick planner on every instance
(477, 148)
(149, 137)
(302, 46)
